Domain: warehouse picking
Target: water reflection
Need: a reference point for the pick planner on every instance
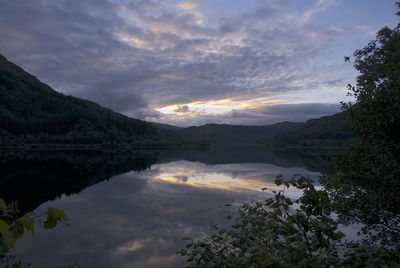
(138, 219)
(230, 177)
(32, 178)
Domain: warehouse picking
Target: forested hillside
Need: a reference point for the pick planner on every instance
(234, 134)
(327, 131)
(32, 112)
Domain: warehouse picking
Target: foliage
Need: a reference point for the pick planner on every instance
(12, 227)
(364, 193)
(278, 232)
(285, 233)
(376, 115)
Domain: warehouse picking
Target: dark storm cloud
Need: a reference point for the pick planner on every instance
(134, 56)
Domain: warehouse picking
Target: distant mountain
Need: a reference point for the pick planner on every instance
(32, 112)
(327, 131)
(234, 134)
(166, 127)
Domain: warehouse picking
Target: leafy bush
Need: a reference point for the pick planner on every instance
(285, 233)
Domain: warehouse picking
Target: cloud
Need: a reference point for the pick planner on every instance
(181, 178)
(136, 56)
(182, 109)
(282, 112)
(264, 115)
(188, 5)
(320, 6)
(361, 27)
(337, 29)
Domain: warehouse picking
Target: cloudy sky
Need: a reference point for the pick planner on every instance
(180, 62)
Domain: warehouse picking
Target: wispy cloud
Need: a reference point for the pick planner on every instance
(337, 29)
(188, 5)
(361, 27)
(320, 6)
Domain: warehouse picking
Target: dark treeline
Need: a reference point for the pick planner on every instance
(328, 131)
(235, 134)
(314, 159)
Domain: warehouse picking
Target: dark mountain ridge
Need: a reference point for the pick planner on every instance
(234, 134)
(327, 131)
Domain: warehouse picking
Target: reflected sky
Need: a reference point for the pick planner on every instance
(230, 177)
(139, 219)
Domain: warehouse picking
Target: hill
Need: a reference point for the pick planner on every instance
(327, 131)
(234, 134)
(32, 112)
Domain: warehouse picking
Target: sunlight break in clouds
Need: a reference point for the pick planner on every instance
(220, 106)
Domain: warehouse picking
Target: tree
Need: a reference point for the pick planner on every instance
(367, 187)
(376, 114)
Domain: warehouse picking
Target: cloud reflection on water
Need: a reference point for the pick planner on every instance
(229, 177)
(139, 219)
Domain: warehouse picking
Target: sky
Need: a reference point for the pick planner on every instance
(249, 62)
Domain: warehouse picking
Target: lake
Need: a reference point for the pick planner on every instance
(133, 209)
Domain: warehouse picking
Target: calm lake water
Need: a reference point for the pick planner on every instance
(132, 210)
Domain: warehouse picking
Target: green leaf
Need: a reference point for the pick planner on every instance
(51, 220)
(4, 227)
(60, 214)
(18, 230)
(28, 223)
(2, 204)
(264, 260)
